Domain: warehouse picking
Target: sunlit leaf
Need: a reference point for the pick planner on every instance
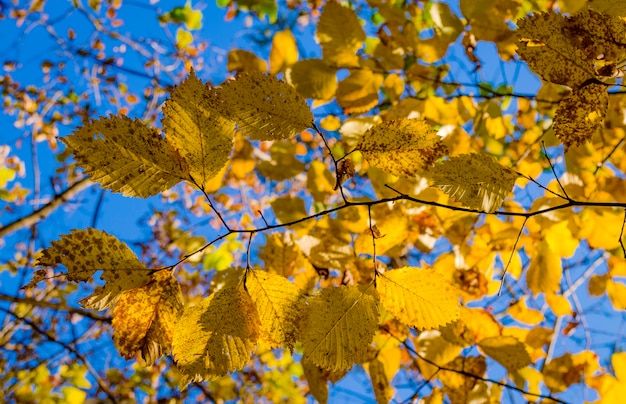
(340, 35)
(144, 318)
(313, 78)
(279, 305)
(476, 180)
(284, 52)
(457, 384)
(263, 107)
(241, 60)
(127, 156)
(217, 336)
(417, 297)
(403, 147)
(380, 383)
(544, 273)
(508, 351)
(83, 252)
(358, 92)
(200, 135)
(339, 326)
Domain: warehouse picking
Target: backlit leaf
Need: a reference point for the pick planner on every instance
(459, 386)
(144, 318)
(313, 78)
(617, 294)
(358, 92)
(476, 180)
(507, 350)
(544, 273)
(403, 147)
(263, 107)
(241, 60)
(201, 135)
(317, 380)
(279, 305)
(380, 383)
(581, 114)
(417, 297)
(126, 156)
(280, 254)
(340, 325)
(83, 252)
(284, 51)
(217, 336)
(340, 35)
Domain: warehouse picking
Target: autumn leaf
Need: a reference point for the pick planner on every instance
(263, 107)
(417, 297)
(280, 254)
(340, 35)
(358, 93)
(339, 326)
(241, 60)
(279, 305)
(199, 133)
(284, 52)
(144, 318)
(403, 147)
(476, 180)
(83, 252)
(458, 386)
(507, 350)
(217, 336)
(126, 156)
(380, 383)
(313, 78)
(581, 114)
(545, 271)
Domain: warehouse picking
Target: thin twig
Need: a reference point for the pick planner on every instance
(621, 235)
(556, 177)
(513, 250)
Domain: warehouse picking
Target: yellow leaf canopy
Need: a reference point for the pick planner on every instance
(340, 35)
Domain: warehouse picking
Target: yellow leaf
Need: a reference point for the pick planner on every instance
(83, 252)
(581, 114)
(289, 209)
(601, 229)
(549, 52)
(610, 7)
(433, 347)
(144, 318)
(476, 180)
(597, 284)
(340, 325)
(312, 78)
(317, 380)
(73, 395)
(402, 147)
(200, 135)
(617, 294)
(184, 38)
(340, 35)
(241, 60)
(279, 304)
(320, 181)
(417, 297)
(358, 93)
(263, 107)
(330, 123)
(393, 228)
(280, 254)
(560, 240)
(217, 336)
(568, 369)
(283, 164)
(559, 304)
(394, 86)
(545, 271)
(380, 383)
(126, 156)
(284, 51)
(507, 350)
(522, 313)
(457, 385)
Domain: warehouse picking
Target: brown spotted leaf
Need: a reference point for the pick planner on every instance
(144, 318)
(581, 114)
(403, 147)
(126, 156)
(83, 252)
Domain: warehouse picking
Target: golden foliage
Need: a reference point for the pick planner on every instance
(284, 51)
(202, 136)
(240, 60)
(144, 318)
(216, 336)
(544, 273)
(476, 180)
(313, 78)
(403, 147)
(263, 107)
(340, 35)
(380, 382)
(339, 325)
(279, 305)
(358, 93)
(127, 156)
(83, 252)
(419, 298)
(458, 386)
